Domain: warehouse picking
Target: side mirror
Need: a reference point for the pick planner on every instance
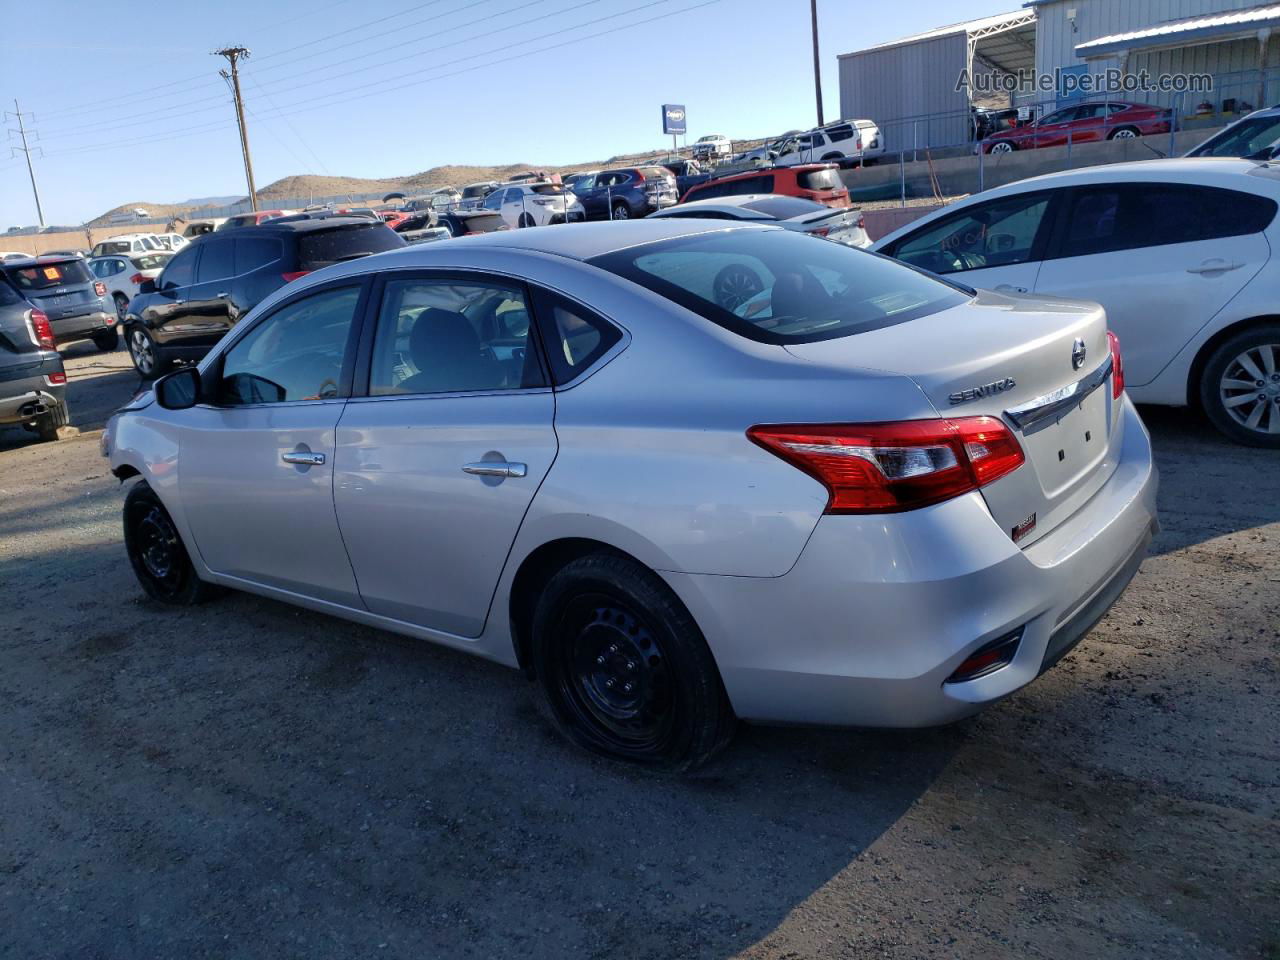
(147, 286)
(178, 390)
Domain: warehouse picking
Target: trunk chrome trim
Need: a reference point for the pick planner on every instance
(1039, 413)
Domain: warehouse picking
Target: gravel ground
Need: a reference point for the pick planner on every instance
(244, 779)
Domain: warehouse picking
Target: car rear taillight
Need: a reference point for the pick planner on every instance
(100, 288)
(820, 231)
(294, 275)
(41, 331)
(859, 143)
(1117, 366)
(862, 222)
(136, 279)
(988, 658)
(892, 467)
(55, 379)
(639, 176)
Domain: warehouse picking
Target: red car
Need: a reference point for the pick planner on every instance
(819, 182)
(1083, 123)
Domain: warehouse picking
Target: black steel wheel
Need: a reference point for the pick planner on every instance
(156, 552)
(624, 669)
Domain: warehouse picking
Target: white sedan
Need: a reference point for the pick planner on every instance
(794, 213)
(124, 273)
(1179, 252)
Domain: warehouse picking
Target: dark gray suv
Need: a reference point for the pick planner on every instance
(33, 382)
(71, 297)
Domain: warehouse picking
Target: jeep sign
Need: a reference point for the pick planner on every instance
(673, 118)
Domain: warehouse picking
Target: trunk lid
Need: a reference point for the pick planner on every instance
(1018, 359)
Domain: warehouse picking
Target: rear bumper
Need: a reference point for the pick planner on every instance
(25, 400)
(83, 325)
(880, 610)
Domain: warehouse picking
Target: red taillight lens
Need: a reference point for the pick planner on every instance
(1117, 366)
(136, 279)
(290, 277)
(820, 231)
(41, 331)
(100, 288)
(892, 467)
(639, 176)
(56, 379)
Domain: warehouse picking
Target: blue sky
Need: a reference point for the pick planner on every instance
(129, 106)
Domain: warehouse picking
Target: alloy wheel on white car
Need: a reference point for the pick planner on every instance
(1250, 388)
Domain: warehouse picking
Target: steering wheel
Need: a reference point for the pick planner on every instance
(734, 285)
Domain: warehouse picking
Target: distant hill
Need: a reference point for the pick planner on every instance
(303, 187)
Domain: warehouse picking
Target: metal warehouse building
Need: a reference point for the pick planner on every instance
(909, 86)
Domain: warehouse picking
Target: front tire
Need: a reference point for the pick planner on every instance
(145, 353)
(527, 221)
(156, 553)
(1240, 387)
(624, 669)
(1004, 146)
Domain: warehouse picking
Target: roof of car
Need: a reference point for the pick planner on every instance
(297, 226)
(1178, 169)
(734, 203)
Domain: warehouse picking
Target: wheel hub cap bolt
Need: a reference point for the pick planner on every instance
(600, 659)
(626, 688)
(609, 683)
(631, 665)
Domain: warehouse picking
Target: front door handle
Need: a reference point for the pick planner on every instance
(1010, 288)
(1215, 266)
(495, 468)
(303, 458)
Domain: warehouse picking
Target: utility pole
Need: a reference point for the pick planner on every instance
(26, 152)
(817, 67)
(234, 55)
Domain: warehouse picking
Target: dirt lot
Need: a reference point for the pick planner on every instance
(247, 780)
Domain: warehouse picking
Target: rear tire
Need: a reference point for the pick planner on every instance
(1238, 393)
(156, 553)
(107, 339)
(1124, 133)
(620, 211)
(47, 426)
(624, 669)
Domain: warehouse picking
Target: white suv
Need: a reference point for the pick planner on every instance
(535, 204)
(128, 243)
(1179, 252)
(712, 147)
(844, 140)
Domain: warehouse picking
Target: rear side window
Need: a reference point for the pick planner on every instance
(574, 336)
(828, 179)
(255, 252)
(42, 276)
(843, 132)
(218, 261)
(1113, 217)
(316, 250)
(778, 286)
(1244, 139)
(8, 296)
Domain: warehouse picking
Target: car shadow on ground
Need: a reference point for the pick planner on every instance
(308, 786)
(1201, 497)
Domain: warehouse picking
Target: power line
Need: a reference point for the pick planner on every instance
(289, 123)
(288, 109)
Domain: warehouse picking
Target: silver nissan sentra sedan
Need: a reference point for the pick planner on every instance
(678, 472)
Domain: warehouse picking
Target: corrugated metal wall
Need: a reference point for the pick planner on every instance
(1056, 40)
(904, 89)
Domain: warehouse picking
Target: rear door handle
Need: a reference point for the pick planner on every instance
(303, 458)
(1215, 266)
(495, 468)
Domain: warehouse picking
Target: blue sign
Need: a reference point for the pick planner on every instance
(673, 118)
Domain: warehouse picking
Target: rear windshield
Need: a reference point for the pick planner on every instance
(113, 246)
(151, 261)
(549, 188)
(828, 179)
(41, 276)
(659, 173)
(476, 190)
(316, 250)
(485, 223)
(784, 208)
(1244, 139)
(778, 286)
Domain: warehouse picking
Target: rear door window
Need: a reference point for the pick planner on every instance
(1115, 217)
(255, 252)
(327, 247)
(218, 261)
